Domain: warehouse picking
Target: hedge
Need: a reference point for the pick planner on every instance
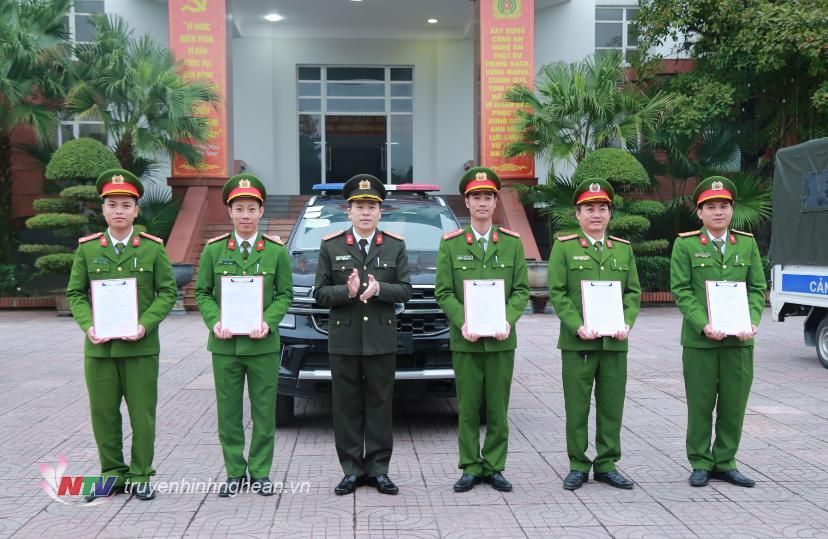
(43, 249)
(53, 205)
(44, 221)
(81, 193)
(654, 273)
(55, 263)
(612, 164)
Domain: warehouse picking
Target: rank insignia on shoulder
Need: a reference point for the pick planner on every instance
(742, 233)
(688, 234)
(90, 237)
(394, 235)
(622, 240)
(217, 238)
(567, 238)
(274, 239)
(332, 235)
(449, 235)
(509, 232)
(156, 239)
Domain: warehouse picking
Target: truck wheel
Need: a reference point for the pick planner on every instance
(822, 341)
(284, 410)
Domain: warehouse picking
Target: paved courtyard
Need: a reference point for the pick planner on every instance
(44, 412)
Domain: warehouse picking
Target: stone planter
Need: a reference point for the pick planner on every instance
(183, 275)
(61, 303)
(539, 285)
(33, 302)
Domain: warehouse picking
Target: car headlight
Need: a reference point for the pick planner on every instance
(288, 322)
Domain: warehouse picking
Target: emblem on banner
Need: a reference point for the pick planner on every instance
(507, 9)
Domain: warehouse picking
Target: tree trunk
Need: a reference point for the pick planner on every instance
(6, 237)
(124, 153)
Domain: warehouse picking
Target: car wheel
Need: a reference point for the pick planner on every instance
(284, 410)
(822, 341)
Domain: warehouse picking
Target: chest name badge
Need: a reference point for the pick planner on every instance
(702, 255)
(580, 257)
(100, 261)
(226, 262)
(465, 257)
(342, 257)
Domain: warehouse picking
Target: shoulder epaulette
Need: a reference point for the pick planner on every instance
(566, 238)
(274, 239)
(90, 237)
(688, 234)
(622, 240)
(449, 235)
(332, 235)
(509, 232)
(742, 232)
(151, 237)
(394, 235)
(217, 238)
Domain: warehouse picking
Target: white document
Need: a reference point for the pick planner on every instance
(241, 303)
(603, 307)
(485, 306)
(115, 308)
(727, 307)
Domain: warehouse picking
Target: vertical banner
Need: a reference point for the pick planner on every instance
(198, 40)
(507, 38)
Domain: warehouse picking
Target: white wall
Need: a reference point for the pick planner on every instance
(266, 121)
(144, 16)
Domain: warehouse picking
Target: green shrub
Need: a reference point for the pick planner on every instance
(158, 210)
(81, 193)
(654, 273)
(628, 225)
(44, 221)
(53, 205)
(647, 208)
(614, 165)
(43, 249)
(650, 246)
(80, 161)
(55, 263)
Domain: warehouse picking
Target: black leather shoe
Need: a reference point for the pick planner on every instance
(498, 482)
(735, 477)
(349, 484)
(231, 487)
(383, 484)
(575, 480)
(263, 486)
(115, 490)
(699, 478)
(143, 491)
(613, 479)
(466, 483)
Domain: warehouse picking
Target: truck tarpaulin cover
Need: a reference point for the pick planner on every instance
(800, 205)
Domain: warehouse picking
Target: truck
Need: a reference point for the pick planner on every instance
(424, 365)
(799, 240)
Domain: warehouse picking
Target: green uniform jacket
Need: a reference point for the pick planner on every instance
(356, 328)
(694, 262)
(148, 263)
(458, 261)
(271, 262)
(572, 262)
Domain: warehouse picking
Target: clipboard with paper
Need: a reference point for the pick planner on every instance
(242, 300)
(115, 308)
(603, 307)
(727, 307)
(484, 303)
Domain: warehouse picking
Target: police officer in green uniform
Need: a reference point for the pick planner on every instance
(245, 251)
(718, 368)
(483, 365)
(125, 368)
(587, 357)
(362, 272)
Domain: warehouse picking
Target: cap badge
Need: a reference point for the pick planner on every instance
(117, 180)
(365, 184)
(481, 177)
(717, 186)
(594, 188)
(244, 184)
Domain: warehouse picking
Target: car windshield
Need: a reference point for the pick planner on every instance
(421, 224)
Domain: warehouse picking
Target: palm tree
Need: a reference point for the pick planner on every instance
(32, 32)
(135, 87)
(579, 107)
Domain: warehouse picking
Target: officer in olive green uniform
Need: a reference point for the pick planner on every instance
(125, 368)
(587, 357)
(718, 369)
(362, 272)
(245, 252)
(482, 365)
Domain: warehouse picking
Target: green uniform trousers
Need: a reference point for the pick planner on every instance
(716, 378)
(262, 372)
(134, 379)
(608, 370)
(483, 377)
(363, 392)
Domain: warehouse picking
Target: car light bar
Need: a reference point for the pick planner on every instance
(421, 187)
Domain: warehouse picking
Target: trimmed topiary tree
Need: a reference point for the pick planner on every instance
(80, 162)
(617, 166)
